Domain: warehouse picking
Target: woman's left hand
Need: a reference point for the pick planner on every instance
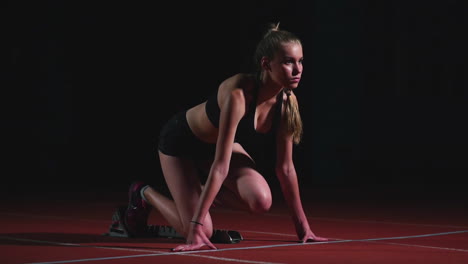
(308, 236)
(196, 240)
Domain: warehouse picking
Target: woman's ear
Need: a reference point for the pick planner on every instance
(265, 62)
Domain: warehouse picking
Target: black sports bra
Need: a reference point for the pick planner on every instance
(212, 109)
(260, 146)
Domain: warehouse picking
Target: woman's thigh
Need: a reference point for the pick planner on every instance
(247, 183)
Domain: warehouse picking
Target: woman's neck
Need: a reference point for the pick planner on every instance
(267, 90)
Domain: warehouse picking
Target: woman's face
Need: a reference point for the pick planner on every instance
(286, 67)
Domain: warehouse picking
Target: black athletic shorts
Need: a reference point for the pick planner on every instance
(177, 139)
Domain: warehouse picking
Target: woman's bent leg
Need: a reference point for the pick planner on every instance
(184, 184)
(246, 183)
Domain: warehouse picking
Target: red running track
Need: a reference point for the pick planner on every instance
(69, 227)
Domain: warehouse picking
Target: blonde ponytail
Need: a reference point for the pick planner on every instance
(271, 42)
(292, 118)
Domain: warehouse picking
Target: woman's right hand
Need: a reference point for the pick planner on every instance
(196, 239)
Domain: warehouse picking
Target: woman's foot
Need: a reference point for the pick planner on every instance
(136, 215)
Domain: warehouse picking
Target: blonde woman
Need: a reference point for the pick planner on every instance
(249, 120)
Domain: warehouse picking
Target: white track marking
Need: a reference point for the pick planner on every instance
(155, 252)
(267, 233)
(349, 220)
(422, 246)
(349, 240)
(400, 244)
(194, 253)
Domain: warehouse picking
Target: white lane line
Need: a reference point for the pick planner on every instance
(267, 233)
(348, 240)
(422, 246)
(389, 243)
(155, 252)
(349, 220)
(193, 253)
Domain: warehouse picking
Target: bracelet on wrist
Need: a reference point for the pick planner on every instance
(197, 223)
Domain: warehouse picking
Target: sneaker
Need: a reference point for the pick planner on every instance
(136, 215)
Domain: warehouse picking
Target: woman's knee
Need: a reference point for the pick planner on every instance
(260, 201)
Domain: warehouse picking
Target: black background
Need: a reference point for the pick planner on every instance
(88, 85)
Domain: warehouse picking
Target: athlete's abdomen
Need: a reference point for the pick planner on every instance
(200, 124)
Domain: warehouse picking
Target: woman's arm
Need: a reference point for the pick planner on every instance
(232, 110)
(287, 176)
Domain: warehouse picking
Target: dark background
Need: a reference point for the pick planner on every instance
(88, 85)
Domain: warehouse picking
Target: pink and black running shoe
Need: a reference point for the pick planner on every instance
(136, 215)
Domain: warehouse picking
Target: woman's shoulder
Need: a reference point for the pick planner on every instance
(239, 80)
(242, 82)
(238, 87)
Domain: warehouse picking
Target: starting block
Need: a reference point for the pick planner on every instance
(118, 229)
(226, 236)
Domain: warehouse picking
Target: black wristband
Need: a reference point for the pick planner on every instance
(195, 222)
